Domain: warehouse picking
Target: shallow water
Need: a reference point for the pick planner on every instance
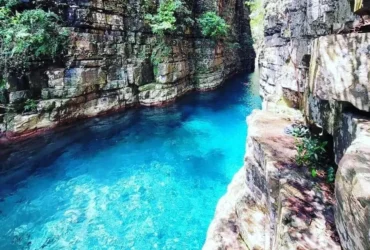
(144, 179)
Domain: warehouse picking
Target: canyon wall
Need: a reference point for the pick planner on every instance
(272, 204)
(115, 61)
(307, 66)
(290, 28)
(308, 74)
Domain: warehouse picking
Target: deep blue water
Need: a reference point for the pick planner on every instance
(143, 179)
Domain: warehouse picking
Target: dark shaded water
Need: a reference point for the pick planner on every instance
(143, 179)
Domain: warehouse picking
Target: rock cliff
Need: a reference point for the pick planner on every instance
(290, 28)
(304, 65)
(324, 76)
(115, 61)
(272, 204)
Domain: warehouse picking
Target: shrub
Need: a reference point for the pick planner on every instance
(30, 106)
(171, 15)
(311, 152)
(2, 84)
(29, 36)
(213, 26)
(9, 3)
(159, 54)
(299, 131)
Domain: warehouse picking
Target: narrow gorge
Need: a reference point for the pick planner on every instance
(123, 124)
(114, 61)
(314, 64)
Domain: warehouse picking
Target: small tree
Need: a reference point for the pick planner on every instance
(213, 26)
(29, 36)
(172, 15)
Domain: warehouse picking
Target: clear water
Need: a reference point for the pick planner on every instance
(144, 179)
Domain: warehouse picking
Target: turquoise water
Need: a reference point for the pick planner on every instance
(144, 179)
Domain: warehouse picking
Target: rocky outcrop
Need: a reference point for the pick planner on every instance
(339, 69)
(271, 203)
(337, 93)
(306, 66)
(115, 62)
(336, 99)
(290, 27)
(353, 193)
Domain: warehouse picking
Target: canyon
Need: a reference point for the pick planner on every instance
(313, 71)
(114, 61)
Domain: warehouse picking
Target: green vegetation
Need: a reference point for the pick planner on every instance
(2, 84)
(312, 153)
(30, 106)
(213, 26)
(172, 15)
(9, 3)
(159, 54)
(300, 131)
(257, 18)
(29, 36)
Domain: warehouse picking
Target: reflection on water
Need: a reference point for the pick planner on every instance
(148, 178)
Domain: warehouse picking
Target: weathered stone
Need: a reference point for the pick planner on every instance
(339, 69)
(272, 204)
(172, 72)
(290, 27)
(113, 54)
(158, 94)
(353, 193)
(19, 96)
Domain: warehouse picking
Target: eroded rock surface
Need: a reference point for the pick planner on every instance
(339, 71)
(272, 204)
(115, 62)
(353, 193)
(290, 27)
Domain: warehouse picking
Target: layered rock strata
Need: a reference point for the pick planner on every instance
(115, 62)
(337, 99)
(271, 203)
(353, 193)
(290, 26)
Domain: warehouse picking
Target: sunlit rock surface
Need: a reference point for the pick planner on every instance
(352, 191)
(272, 204)
(340, 66)
(290, 27)
(115, 62)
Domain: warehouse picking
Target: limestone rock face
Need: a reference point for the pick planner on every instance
(340, 66)
(353, 193)
(302, 55)
(115, 61)
(290, 27)
(337, 99)
(272, 204)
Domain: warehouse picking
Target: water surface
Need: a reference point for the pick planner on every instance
(143, 179)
